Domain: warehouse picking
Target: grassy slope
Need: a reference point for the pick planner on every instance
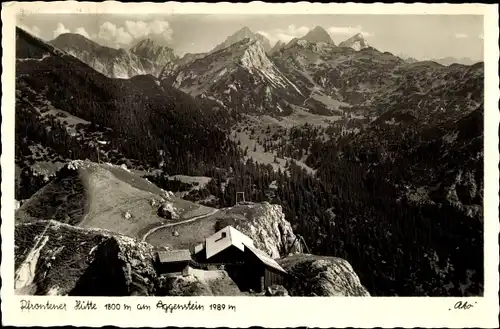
(195, 232)
(99, 196)
(190, 234)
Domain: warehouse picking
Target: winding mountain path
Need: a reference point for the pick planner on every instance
(192, 219)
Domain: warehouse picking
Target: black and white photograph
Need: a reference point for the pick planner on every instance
(251, 155)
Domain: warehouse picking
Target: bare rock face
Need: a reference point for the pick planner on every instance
(52, 258)
(265, 223)
(311, 275)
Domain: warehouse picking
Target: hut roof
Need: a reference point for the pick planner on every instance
(224, 238)
(173, 256)
(264, 258)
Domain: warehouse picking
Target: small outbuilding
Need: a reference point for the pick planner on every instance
(174, 262)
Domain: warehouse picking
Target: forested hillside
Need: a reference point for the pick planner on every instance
(397, 221)
(139, 118)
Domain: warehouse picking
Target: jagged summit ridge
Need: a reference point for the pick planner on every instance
(240, 35)
(219, 69)
(356, 42)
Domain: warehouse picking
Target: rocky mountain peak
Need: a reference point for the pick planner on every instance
(240, 35)
(77, 41)
(75, 37)
(356, 42)
(244, 32)
(318, 34)
(149, 49)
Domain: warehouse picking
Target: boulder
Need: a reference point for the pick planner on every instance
(311, 275)
(167, 211)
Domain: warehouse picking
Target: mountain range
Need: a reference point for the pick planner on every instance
(453, 60)
(446, 61)
(145, 57)
(382, 153)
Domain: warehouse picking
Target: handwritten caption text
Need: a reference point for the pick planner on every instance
(87, 305)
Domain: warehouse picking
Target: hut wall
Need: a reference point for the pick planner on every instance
(272, 277)
(174, 267)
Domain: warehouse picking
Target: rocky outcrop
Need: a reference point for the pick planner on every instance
(311, 275)
(265, 223)
(356, 42)
(52, 258)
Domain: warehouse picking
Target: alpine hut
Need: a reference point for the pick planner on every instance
(249, 267)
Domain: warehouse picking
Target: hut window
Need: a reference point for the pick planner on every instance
(223, 235)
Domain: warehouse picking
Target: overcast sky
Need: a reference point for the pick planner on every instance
(419, 36)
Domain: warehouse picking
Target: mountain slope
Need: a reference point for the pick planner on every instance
(159, 55)
(66, 110)
(91, 195)
(335, 76)
(143, 58)
(240, 77)
(137, 114)
(422, 197)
